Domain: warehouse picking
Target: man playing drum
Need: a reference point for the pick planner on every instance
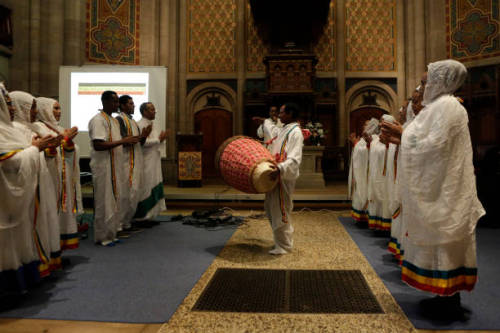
(286, 147)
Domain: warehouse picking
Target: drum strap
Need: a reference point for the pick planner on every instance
(281, 158)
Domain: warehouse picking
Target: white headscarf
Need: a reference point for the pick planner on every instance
(443, 77)
(11, 138)
(46, 112)
(22, 102)
(372, 127)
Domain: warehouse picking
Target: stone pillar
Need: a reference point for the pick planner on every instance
(73, 53)
(401, 61)
(420, 37)
(435, 15)
(184, 122)
(171, 10)
(148, 32)
(241, 64)
(410, 47)
(53, 48)
(35, 35)
(343, 126)
(19, 73)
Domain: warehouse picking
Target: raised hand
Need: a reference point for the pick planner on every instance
(70, 133)
(131, 140)
(258, 120)
(146, 131)
(42, 143)
(391, 132)
(164, 135)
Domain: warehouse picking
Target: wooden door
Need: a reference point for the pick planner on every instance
(360, 116)
(216, 126)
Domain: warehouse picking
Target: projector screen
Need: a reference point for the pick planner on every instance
(80, 90)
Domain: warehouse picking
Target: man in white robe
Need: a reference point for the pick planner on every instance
(263, 132)
(152, 201)
(105, 158)
(287, 148)
(132, 164)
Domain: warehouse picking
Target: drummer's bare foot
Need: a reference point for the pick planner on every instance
(278, 250)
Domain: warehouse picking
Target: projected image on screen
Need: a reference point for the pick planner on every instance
(86, 90)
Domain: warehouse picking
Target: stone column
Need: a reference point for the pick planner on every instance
(73, 53)
(184, 122)
(400, 40)
(148, 32)
(410, 47)
(171, 31)
(435, 15)
(343, 126)
(36, 29)
(420, 37)
(51, 46)
(19, 71)
(241, 62)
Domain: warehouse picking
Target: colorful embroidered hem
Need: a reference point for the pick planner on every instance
(395, 248)
(147, 204)
(444, 283)
(69, 241)
(359, 215)
(7, 155)
(379, 223)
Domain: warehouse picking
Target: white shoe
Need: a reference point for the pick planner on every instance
(278, 250)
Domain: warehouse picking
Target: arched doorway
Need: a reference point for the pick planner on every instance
(360, 116)
(216, 126)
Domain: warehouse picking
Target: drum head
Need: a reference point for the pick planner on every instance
(261, 177)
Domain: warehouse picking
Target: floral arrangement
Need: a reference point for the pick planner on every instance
(317, 132)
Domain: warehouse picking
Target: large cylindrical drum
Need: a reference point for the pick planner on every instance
(245, 164)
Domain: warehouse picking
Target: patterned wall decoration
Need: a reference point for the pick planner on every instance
(472, 28)
(113, 31)
(211, 36)
(256, 48)
(325, 48)
(370, 35)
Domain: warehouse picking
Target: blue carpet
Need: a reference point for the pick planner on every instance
(482, 301)
(141, 280)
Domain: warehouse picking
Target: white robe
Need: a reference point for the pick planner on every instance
(132, 173)
(264, 133)
(278, 202)
(358, 180)
(47, 222)
(152, 199)
(18, 183)
(106, 169)
(439, 201)
(378, 203)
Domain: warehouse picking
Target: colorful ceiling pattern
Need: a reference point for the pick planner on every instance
(211, 36)
(370, 28)
(113, 31)
(472, 29)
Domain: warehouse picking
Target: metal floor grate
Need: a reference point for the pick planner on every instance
(288, 291)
